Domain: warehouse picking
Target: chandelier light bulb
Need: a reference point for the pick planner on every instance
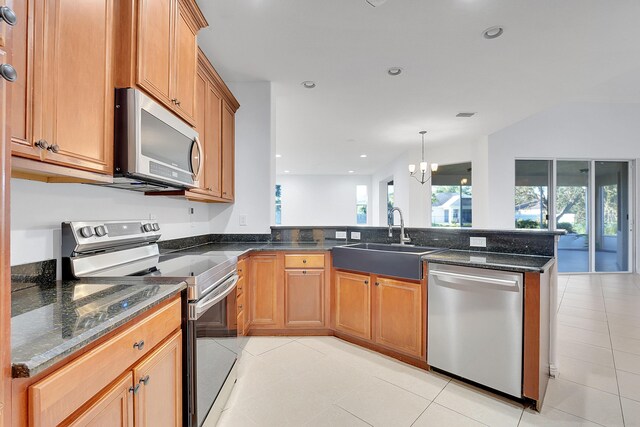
(423, 167)
(412, 168)
(434, 167)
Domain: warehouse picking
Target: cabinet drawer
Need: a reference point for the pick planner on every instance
(240, 302)
(60, 394)
(304, 261)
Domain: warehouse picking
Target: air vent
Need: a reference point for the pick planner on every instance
(465, 114)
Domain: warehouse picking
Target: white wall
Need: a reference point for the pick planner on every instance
(321, 200)
(254, 173)
(570, 131)
(38, 209)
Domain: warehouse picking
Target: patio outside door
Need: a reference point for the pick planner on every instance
(592, 204)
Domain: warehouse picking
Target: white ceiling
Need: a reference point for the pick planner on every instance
(551, 52)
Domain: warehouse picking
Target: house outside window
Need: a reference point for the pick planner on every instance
(278, 204)
(361, 204)
(451, 196)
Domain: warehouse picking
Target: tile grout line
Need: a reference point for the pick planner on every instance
(614, 366)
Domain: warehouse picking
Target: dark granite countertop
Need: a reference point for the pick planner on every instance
(492, 260)
(246, 247)
(50, 321)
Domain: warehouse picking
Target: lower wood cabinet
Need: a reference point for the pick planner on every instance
(353, 304)
(398, 315)
(264, 296)
(304, 296)
(118, 383)
(386, 312)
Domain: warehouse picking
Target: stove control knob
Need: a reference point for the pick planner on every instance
(101, 230)
(147, 227)
(86, 231)
(155, 226)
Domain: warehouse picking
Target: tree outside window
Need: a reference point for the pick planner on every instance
(278, 204)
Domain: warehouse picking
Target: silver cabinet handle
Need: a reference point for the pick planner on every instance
(54, 148)
(134, 389)
(144, 380)
(139, 345)
(42, 144)
(8, 72)
(8, 15)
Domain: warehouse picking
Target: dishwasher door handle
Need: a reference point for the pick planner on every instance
(460, 279)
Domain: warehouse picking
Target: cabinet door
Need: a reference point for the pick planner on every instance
(155, 47)
(114, 408)
(78, 86)
(304, 293)
(184, 68)
(22, 91)
(353, 304)
(202, 88)
(398, 315)
(228, 154)
(213, 143)
(264, 292)
(158, 402)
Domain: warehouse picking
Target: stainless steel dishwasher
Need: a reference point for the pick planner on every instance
(475, 325)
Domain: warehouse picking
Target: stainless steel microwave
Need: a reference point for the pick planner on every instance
(154, 149)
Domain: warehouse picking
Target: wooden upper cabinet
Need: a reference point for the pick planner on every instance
(155, 46)
(158, 401)
(353, 304)
(186, 54)
(398, 315)
(228, 151)
(65, 98)
(304, 296)
(113, 408)
(213, 143)
(201, 101)
(264, 298)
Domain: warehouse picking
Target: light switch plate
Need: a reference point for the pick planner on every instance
(355, 235)
(478, 242)
(242, 219)
(341, 234)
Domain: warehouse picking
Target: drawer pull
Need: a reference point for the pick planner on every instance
(8, 15)
(139, 345)
(366, 282)
(304, 261)
(304, 271)
(134, 389)
(42, 144)
(144, 380)
(377, 283)
(240, 307)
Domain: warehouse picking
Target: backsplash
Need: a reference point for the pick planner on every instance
(33, 274)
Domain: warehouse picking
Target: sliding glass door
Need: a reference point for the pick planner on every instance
(572, 215)
(590, 199)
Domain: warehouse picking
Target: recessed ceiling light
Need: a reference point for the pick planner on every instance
(308, 84)
(352, 171)
(465, 114)
(287, 171)
(363, 155)
(278, 156)
(394, 71)
(493, 32)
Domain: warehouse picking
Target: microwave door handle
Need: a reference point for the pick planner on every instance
(196, 173)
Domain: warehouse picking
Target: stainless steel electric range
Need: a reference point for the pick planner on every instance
(129, 248)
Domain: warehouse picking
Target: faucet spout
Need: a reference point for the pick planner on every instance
(403, 237)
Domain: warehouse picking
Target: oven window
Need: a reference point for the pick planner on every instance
(163, 143)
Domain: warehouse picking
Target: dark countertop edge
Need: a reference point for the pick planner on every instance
(29, 368)
(491, 266)
(535, 231)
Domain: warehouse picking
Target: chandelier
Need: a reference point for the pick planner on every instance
(423, 166)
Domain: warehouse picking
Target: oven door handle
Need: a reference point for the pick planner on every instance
(207, 302)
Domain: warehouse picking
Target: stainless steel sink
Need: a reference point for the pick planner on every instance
(403, 261)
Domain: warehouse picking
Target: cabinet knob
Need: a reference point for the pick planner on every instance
(8, 15)
(366, 282)
(174, 100)
(304, 271)
(42, 144)
(8, 72)
(377, 283)
(177, 102)
(139, 345)
(54, 148)
(144, 380)
(304, 261)
(134, 389)
(240, 307)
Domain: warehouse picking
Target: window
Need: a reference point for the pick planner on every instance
(389, 202)
(532, 193)
(361, 204)
(451, 196)
(278, 204)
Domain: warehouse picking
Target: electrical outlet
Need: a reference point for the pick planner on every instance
(341, 234)
(242, 219)
(478, 242)
(355, 235)
(192, 211)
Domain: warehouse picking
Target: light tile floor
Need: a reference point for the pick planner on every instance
(323, 381)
